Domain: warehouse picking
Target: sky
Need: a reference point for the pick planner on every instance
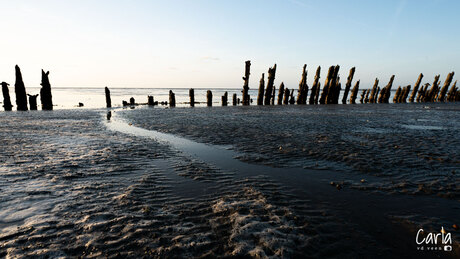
(205, 43)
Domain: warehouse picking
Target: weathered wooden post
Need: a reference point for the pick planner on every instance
(224, 99)
(19, 88)
(172, 99)
(209, 98)
(366, 99)
(430, 95)
(272, 100)
(286, 96)
(108, 101)
(452, 92)
(315, 87)
(303, 87)
(396, 97)
(374, 89)
(150, 100)
(330, 74)
(234, 100)
(318, 89)
(292, 98)
(280, 94)
(6, 97)
(376, 94)
(416, 86)
(271, 80)
(354, 93)
(333, 86)
(388, 90)
(45, 92)
(191, 94)
(442, 94)
(406, 94)
(363, 94)
(33, 102)
(132, 101)
(260, 95)
(246, 83)
(422, 92)
(348, 85)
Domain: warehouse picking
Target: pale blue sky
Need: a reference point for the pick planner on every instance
(205, 43)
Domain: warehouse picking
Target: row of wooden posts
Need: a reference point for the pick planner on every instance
(21, 96)
(330, 92)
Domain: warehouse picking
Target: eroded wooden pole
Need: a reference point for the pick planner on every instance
(354, 93)
(260, 95)
(191, 94)
(246, 82)
(19, 88)
(45, 92)
(348, 85)
(416, 86)
(108, 100)
(374, 90)
(271, 80)
(315, 87)
(172, 99)
(303, 87)
(442, 94)
(281, 94)
(209, 98)
(6, 97)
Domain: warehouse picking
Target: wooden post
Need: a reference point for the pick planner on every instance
(348, 85)
(172, 99)
(376, 94)
(333, 86)
(303, 87)
(396, 97)
(108, 101)
(363, 94)
(224, 99)
(6, 97)
(330, 74)
(246, 83)
(45, 92)
(286, 96)
(442, 94)
(406, 94)
(271, 80)
(234, 100)
(132, 101)
(354, 93)
(209, 98)
(260, 95)
(421, 93)
(374, 89)
(280, 94)
(150, 100)
(366, 99)
(388, 90)
(272, 101)
(315, 87)
(416, 86)
(318, 89)
(452, 92)
(19, 88)
(430, 95)
(292, 99)
(33, 101)
(191, 94)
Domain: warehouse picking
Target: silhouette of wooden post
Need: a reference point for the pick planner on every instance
(280, 94)
(260, 94)
(452, 92)
(422, 92)
(333, 86)
(6, 97)
(292, 99)
(234, 100)
(374, 89)
(286, 96)
(209, 98)
(363, 94)
(224, 99)
(33, 102)
(348, 85)
(315, 87)
(442, 94)
(303, 87)
(405, 94)
(150, 100)
(191, 94)
(45, 92)
(246, 83)
(386, 97)
(416, 86)
(172, 99)
(272, 101)
(132, 101)
(19, 88)
(396, 97)
(430, 95)
(108, 101)
(330, 74)
(271, 80)
(354, 93)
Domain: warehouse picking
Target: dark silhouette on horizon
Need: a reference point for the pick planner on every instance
(45, 92)
(6, 97)
(20, 89)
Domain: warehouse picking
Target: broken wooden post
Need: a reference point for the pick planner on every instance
(191, 94)
(452, 92)
(315, 87)
(272, 100)
(292, 99)
(430, 95)
(108, 101)
(303, 87)
(286, 96)
(376, 94)
(374, 89)
(209, 98)
(388, 90)
(172, 99)
(366, 99)
(19, 88)
(260, 95)
(6, 97)
(330, 74)
(354, 93)
(333, 86)
(348, 85)
(150, 100)
(363, 94)
(246, 83)
(132, 101)
(271, 81)
(33, 102)
(318, 89)
(281, 94)
(442, 94)
(422, 92)
(224, 99)
(234, 99)
(416, 86)
(396, 97)
(45, 92)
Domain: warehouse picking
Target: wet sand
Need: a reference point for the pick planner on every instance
(74, 184)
